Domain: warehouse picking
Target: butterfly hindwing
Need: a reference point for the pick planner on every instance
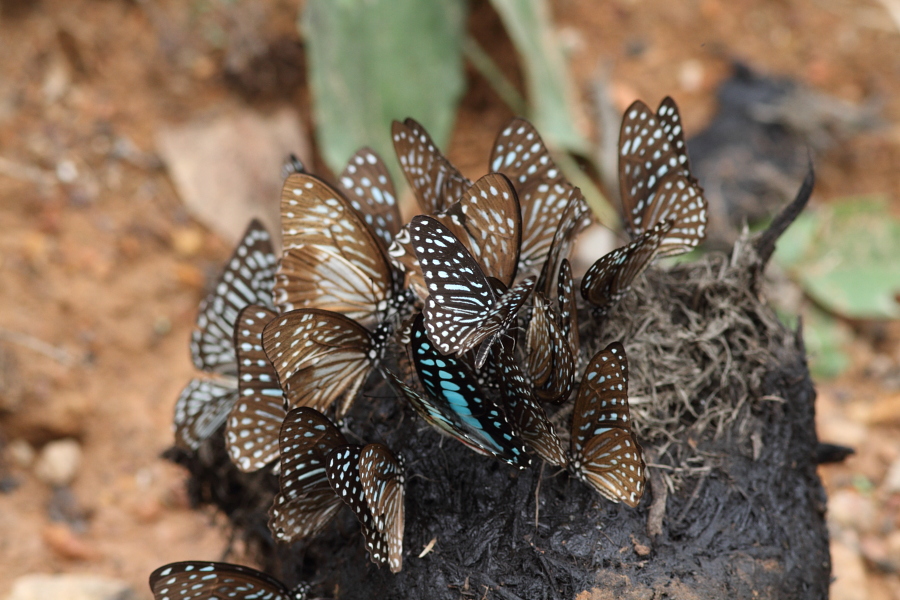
(320, 357)
(383, 481)
(251, 436)
(200, 410)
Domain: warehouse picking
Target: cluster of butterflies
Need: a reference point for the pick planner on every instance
(469, 311)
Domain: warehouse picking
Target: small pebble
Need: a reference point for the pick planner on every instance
(21, 453)
(58, 462)
(66, 544)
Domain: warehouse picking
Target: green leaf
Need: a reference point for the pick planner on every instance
(825, 339)
(846, 256)
(373, 61)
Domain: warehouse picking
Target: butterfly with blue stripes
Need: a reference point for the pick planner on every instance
(464, 307)
(446, 394)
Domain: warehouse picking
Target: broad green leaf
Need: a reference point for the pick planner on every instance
(846, 256)
(373, 61)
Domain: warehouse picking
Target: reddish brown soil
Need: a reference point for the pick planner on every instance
(107, 271)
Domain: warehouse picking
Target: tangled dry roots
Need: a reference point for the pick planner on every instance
(700, 341)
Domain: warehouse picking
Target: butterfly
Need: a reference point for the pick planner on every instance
(655, 180)
(322, 356)
(306, 501)
(607, 280)
(251, 433)
(366, 183)
(451, 400)
(604, 452)
(464, 307)
(528, 418)
(486, 219)
(548, 354)
(549, 350)
(544, 193)
(333, 260)
(197, 580)
(434, 180)
(370, 480)
(247, 279)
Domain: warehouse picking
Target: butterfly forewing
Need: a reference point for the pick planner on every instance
(196, 580)
(463, 308)
(251, 436)
(316, 215)
(246, 279)
(306, 501)
(608, 279)
(366, 182)
(320, 356)
(486, 220)
(434, 180)
(382, 477)
(344, 477)
(604, 452)
(520, 154)
(201, 409)
(457, 405)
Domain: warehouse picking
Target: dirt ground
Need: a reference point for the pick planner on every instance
(102, 266)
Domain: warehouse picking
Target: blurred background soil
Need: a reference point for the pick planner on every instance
(103, 266)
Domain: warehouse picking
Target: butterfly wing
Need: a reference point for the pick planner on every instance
(548, 355)
(434, 180)
(655, 180)
(344, 477)
(201, 409)
(306, 501)
(319, 356)
(366, 183)
(457, 405)
(195, 580)
(251, 436)
(608, 279)
(246, 279)
(604, 452)
(520, 154)
(381, 474)
(486, 220)
(568, 309)
(345, 256)
(528, 417)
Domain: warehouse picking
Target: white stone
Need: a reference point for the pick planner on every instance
(58, 462)
(69, 587)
